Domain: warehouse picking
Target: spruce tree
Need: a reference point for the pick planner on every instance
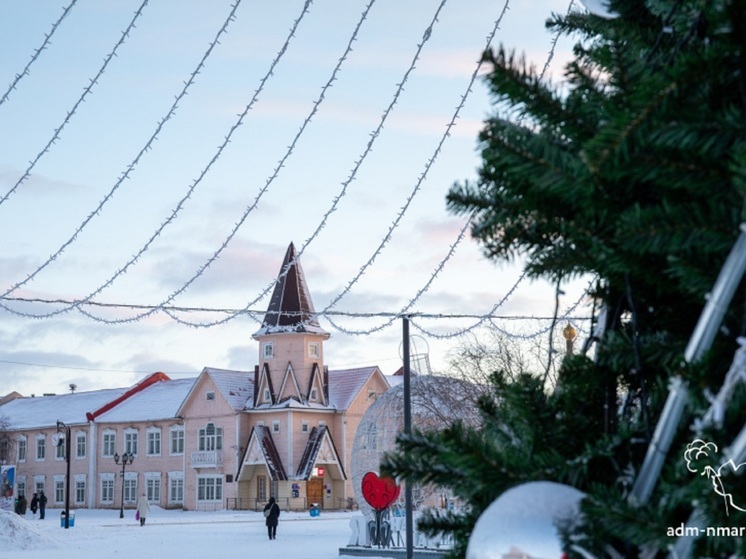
(634, 171)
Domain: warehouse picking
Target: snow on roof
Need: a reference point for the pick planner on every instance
(44, 411)
(344, 385)
(159, 401)
(236, 386)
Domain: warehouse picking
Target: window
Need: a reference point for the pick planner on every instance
(130, 441)
(304, 427)
(314, 394)
(267, 395)
(268, 350)
(59, 449)
(210, 488)
(275, 426)
(314, 350)
(153, 488)
(154, 442)
(21, 485)
(109, 444)
(176, 490)
(107, 490)
(261, 488)
(211, 438)
(130, 489)
(22, 449)
(209, 396)
(39, 484)
(80, 491)
(59, 490)
(41, 449)
(80, 445)
(177, 440)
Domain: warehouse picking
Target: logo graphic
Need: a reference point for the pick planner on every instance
(699, 456)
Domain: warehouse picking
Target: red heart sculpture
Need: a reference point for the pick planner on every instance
(380, 493)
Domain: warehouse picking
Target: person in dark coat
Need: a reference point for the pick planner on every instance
(272, 514)
(34, 504)
(42, 504)
(21, 505)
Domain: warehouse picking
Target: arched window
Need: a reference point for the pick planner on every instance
(210, 437)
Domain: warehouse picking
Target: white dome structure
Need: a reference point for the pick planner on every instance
(436, 402)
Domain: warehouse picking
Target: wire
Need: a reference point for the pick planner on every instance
(87, 91)
(37, 52)
(125, 175)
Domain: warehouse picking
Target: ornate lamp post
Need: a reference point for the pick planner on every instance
(63, 436)
(126, 458)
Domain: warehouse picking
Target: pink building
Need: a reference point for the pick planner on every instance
(225, 439)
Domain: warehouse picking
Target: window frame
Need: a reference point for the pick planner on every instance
(81, 449)
(176, 440)
(153, 442)
(41, 448)
(108, 443)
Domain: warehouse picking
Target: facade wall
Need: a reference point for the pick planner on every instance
(175, 470)
(212, 440)
(294, 349)
(158, 460)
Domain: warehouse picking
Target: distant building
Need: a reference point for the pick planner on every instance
(225, 439)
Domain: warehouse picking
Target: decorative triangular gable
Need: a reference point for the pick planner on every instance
(316, 393)
(289, 388)
(264, 391)
(320, 449)
(261, 451)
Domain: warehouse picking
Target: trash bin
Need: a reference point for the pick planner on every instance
(315, 510)
(62, 519)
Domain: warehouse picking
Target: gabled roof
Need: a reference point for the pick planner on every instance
(320, 447)
(262, 450)
(44, 412)
(290, 309)
(158, 401)
(145, 383)
(289, 389)
(236, 387)
(344, 385)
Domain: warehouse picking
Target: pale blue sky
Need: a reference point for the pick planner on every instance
(274, 204)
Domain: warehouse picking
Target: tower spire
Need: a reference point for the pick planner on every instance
(290, 309)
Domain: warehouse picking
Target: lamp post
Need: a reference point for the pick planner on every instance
(126, 458)
(63, 436)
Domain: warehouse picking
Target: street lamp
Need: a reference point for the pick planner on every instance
(63, 435)
(126, 458)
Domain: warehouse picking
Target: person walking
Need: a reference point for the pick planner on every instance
(42, 504)
(272, 514)
(143, 508)
(34, 504)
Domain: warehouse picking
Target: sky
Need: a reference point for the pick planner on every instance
(158, 158)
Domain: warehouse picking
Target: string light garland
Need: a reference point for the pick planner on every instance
(170, 113)
(86, 92)
(86, 305)
(47, 38)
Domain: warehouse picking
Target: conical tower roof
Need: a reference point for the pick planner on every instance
(290, 309)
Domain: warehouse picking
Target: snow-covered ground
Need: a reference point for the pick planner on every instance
(171, 533)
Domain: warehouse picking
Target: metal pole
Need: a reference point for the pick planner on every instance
(407, 431)
(68, 445)
(121, 506)
(701, 340)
